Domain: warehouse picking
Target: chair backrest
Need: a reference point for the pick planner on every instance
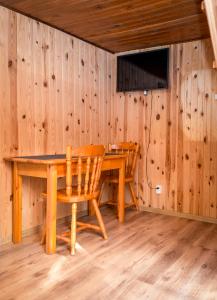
(88, 163)
(131, 150)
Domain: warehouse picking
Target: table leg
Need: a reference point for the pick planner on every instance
(17, 206)
(121, 190)
(51, 210)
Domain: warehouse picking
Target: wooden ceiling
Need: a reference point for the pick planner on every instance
(118, 25)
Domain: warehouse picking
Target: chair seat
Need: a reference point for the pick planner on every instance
(115, 179)
(63, 197)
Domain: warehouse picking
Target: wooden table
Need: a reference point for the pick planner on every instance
(52, 167)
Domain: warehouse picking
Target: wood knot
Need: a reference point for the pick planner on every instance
(158, 117)
(10, 63)
(99, 6)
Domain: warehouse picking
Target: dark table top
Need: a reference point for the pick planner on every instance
(54, 158)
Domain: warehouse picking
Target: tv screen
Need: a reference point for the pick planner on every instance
(143, 71)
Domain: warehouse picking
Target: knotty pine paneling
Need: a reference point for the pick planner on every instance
(182, 156)
(54, 90)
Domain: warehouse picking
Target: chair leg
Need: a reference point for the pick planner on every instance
(73, 228)
(99, 218)
(43, 236)
(134, 199)
(100, 194)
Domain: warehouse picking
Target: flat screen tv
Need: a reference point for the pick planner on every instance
(143, 71)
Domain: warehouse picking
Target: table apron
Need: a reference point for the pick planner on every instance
(32, 170)
(40, 170)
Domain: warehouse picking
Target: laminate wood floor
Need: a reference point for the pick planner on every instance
(151, 256)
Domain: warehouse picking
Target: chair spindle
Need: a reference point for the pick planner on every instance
(79, 175)
(68, 170)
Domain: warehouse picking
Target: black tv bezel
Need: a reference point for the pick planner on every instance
(145, 89)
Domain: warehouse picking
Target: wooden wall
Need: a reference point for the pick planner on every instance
(182, 124)
(54, 90)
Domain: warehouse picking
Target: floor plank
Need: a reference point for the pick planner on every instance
(151, 256)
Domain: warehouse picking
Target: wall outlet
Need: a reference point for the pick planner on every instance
(158, 189)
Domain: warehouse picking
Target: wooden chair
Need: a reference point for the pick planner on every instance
(131, 150)
(88, 170)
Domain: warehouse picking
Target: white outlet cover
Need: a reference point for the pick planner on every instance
(158, 189)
